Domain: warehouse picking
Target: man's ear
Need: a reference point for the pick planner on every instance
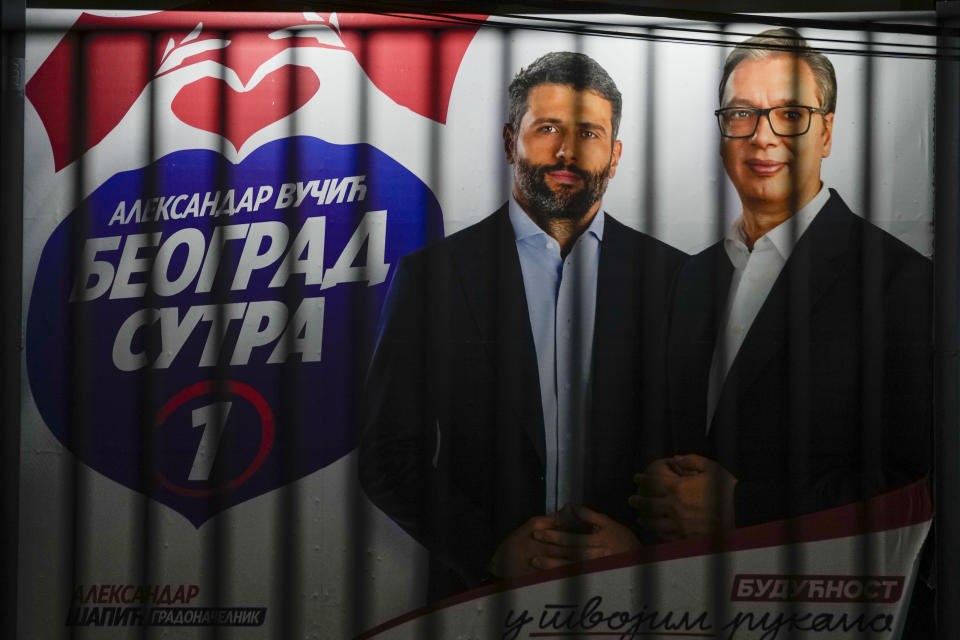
(827, 134)
(509, 143)
(615, 157)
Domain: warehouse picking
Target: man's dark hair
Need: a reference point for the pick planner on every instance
(563, 67)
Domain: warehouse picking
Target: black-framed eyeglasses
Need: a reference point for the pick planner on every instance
(786, 121)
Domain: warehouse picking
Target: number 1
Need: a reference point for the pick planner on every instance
(210, 440)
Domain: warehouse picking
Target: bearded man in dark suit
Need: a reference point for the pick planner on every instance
(518, 356)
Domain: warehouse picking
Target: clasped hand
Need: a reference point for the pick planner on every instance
(546, 542)
(684, 496)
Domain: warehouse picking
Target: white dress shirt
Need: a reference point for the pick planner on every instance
(561, 298)
(754, 273)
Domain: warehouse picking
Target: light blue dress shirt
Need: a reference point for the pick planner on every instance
(561, 301)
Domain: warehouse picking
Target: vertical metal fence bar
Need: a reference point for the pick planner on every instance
(502, 176)
(359, 581)
(434, 630)
(648, 150)
(647, 576)
(799, 270)
(718, 563)
(218, 538)
(574, 588)
(871, 345)
(506, 72)
(76, 504)
(143, 529)
(11, 259)
(947, 323)
(287, 527)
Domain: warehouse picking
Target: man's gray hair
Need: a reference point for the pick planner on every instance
(577, 70)
(786, 41)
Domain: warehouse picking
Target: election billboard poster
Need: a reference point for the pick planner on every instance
(264, 280)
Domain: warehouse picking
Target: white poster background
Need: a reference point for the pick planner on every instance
(469, 178)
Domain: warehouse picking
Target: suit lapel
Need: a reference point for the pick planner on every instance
(617, 322)
(698, 303)
(492, 282)
(615, 308)
(808, 275)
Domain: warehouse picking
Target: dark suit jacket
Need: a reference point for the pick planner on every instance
(453, 438)
(828, 400)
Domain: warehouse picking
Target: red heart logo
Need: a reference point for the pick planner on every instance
(277, 95)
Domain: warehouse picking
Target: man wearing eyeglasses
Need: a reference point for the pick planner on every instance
(799, 351)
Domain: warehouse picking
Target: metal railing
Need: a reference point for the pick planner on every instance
(289, 604)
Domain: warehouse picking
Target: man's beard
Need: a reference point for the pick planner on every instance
(568, 202)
